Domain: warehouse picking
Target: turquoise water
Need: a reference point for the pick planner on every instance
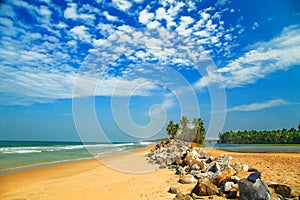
(257, 147)
(18, 156)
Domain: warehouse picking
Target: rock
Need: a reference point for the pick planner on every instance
(251, 169)
(245, 167)
(224, 159)
(162, 165)
(206, 175)
(174, 190)
(254, 176)
(194, 196)
(232, 193)
(228, 185)
(234, 179)
(223, 176)
(187, 179)
(237, 167)
(213, 167)
(180, 171)
(195, 167)
(283, 190)
(211, 197)
(210, 159)
(183, 197)
(253, 191)
(205, 188)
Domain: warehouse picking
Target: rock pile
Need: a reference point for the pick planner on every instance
(213, 176)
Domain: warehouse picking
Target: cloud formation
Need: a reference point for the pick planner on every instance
(259, 106)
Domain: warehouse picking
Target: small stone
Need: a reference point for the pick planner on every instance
(195, 167)
(183, 197)
(162, 165)
(194, 196)
(214, 167)
(228, 185)
(283, 190)
(211, 197)
(180, 171)
(234, 179)
(252, 177)
(245, 167)
(187, 179)
(210, 159)
(174, 190)
(237, 167)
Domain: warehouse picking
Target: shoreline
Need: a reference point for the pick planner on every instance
(92, 179)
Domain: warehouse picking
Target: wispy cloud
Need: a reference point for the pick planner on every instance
(259, 106)
(264, 58)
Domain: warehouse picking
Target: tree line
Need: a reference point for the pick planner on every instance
(181, 130)
(284, 136)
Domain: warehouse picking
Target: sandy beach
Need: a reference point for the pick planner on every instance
(129, 176)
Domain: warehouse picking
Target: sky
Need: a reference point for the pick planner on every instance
(119, 70)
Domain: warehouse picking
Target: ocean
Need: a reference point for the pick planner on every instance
(19, 155)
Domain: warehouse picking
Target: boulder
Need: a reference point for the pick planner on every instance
(254, 191)
(223, 176)
(183, 197)
(180, 171)
(213, 167)
(228, 185)
(283, 190)
(254, 176)
(206, 175)
(238, 167)
(224, 159)
(232, 193)
(174, 190)
(187, 179)
(205, 188)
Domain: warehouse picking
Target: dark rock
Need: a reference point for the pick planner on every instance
(174, 190)
(232, 193)
(252, 177)
(283, 190)
(205, 188)
(213, 167)
(180, 171)
(187, 179)
(253, 191)
(251, 169)
(223, 176)
(210, 159)
(183, 197)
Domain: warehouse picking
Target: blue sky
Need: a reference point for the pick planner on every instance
(119, 70)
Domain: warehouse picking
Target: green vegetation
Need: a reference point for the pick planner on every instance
(284, 136)
(195, 134)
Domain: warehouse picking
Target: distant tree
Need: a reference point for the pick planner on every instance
(299, 127)
(172, 129)
(200, 130)
(184, 122)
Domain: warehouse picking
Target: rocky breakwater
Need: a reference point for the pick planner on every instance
(211, 176)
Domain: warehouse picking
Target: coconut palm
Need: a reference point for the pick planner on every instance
(200, 130)
(184, 122)
(172, 129)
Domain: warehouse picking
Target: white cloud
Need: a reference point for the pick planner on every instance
(81, 33)
(280, 53)
(259, 106)
(255, 26)
(110, 17)
(145, 17)
(122, 4)
(71, 12)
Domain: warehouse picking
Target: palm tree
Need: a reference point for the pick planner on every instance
(172, 129)
(200, 130)
(184, 122)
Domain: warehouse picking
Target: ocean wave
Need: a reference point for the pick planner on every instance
(39, 149)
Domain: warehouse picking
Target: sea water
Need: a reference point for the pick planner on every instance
(18, 156)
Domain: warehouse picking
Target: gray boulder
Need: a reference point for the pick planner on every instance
(253, 191)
